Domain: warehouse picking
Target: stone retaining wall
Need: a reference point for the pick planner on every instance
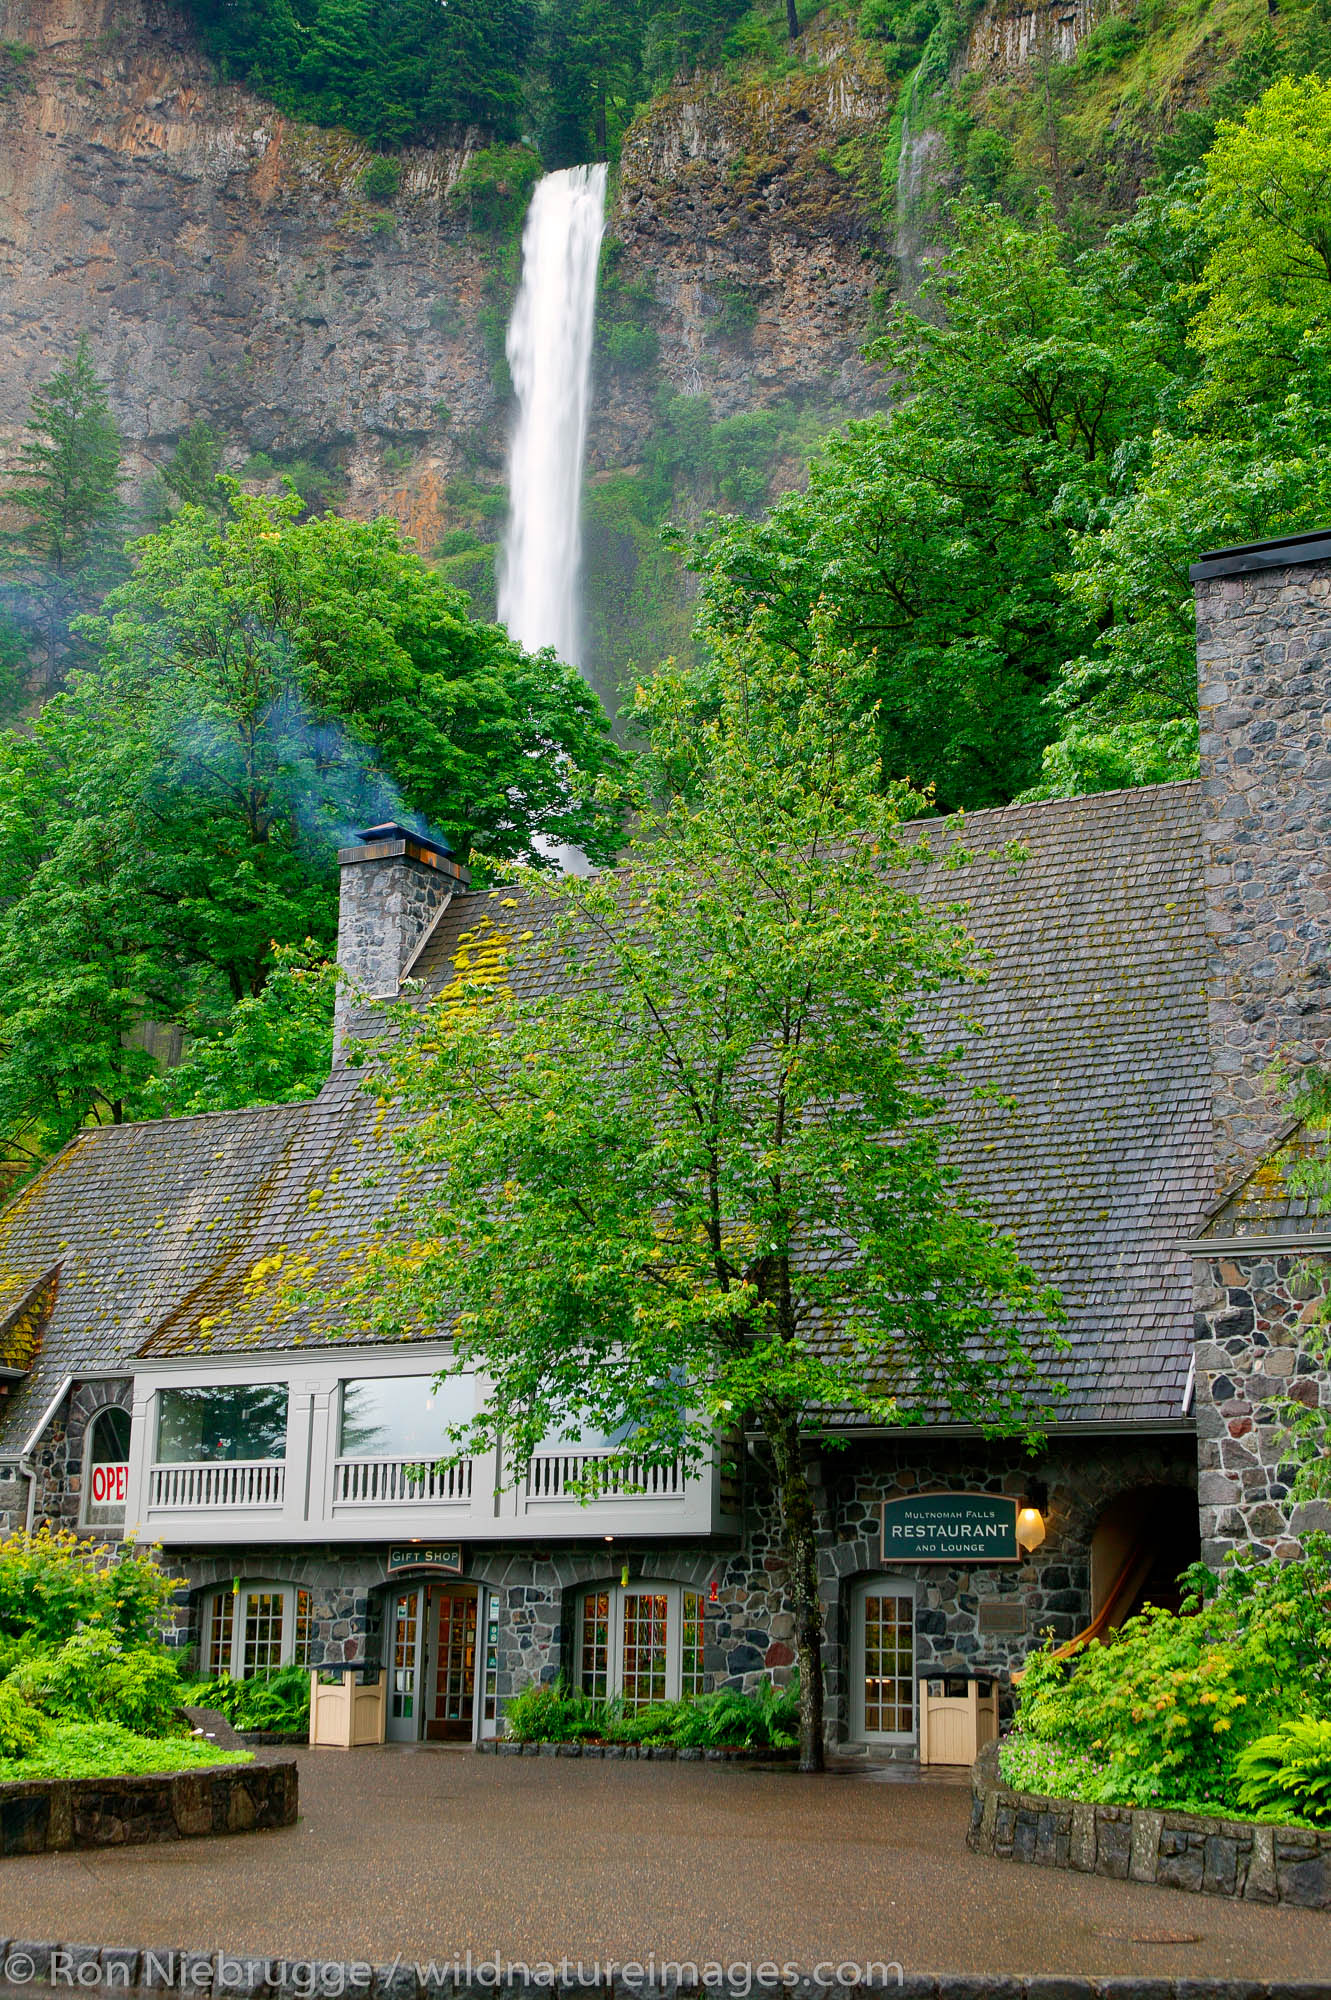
(1175, 1850)
(46, 1814)
(656, 1753)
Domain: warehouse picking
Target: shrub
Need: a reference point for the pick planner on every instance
(102, 1750)
(1289, 1771)
(381, 180)
(278, 1701)
(496, 185)
(53, 1582)
(21, 1726)
(631, 347)
(1166, 1707)
(559, 1714)
(93, 1678)
(554, 1714)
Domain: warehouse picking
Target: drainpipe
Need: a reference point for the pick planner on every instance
(24, 1460)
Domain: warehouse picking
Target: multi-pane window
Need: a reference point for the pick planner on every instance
(643, 1643)
(595, 1661)
(255, 1628)
(406, 1632)
(490, 1690)
(402, 1416)
(888, 1664)
(221, 1634)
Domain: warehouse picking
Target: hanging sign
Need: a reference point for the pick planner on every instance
(951, 1528)
(445, 1558)
(110, 1485)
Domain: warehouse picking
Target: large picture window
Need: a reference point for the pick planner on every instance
(642, 1641)
(401, 1416)
(106, 1470)
(255, 1629)
(220, 1424)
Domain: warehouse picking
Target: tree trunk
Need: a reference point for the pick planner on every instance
(792, 19)
(799, 1545)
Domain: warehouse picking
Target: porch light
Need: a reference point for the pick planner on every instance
(1030, 1516)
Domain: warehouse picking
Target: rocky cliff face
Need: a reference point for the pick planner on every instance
(226, 264)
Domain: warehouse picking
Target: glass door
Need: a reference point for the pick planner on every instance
(453, 1667)
(883, 1663)
(406, 1645)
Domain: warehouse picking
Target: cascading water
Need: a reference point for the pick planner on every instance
(550, 360)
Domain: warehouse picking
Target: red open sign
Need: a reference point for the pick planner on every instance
(110, 1485)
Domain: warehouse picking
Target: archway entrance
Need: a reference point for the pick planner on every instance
(1142, 1540)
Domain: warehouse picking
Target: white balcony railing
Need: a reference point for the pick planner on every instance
(397, 1482)
(238, 1483)
(552, 1475)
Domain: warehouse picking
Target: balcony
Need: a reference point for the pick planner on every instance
(234, 1486)
(554, 1476)
(398, 1482)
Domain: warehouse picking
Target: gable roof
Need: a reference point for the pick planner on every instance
(1095, 1020)
(1262, 1211)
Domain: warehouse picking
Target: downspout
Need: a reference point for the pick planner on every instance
(24, 1460)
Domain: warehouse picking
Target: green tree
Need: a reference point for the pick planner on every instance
(275, 1046)
(190, 474)
(67, 484)
(703, 1188)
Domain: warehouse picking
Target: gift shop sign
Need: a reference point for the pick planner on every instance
(110, 1485)
(951, 1528)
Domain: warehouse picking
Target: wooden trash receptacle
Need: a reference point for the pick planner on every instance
(958, 1716)
(347, 1713)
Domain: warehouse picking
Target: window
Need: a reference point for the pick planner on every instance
(222, 1424)
(106, 1469)
(255, 1628)
(402, 1416)
(643, 1642)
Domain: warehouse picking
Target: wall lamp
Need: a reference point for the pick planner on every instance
(1030, 1516)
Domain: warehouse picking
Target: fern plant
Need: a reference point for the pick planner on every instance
(1289, 1771)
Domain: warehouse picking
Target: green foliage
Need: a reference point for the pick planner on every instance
(556, 1713)
(92, 1677)
(275, 1046)
(22, 1726)
(1161, 1712)
(54, 1582)
(278, 1701)
(103, 1750)
(381, 180)
(392, 70)
(190, 474)
(495, 186)
(631, 347)
(1289, 1771)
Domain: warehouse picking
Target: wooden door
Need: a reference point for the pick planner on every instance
(454, 1692)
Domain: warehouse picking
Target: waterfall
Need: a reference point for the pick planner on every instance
(550, 360)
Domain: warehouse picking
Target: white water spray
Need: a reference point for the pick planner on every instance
(550, 360)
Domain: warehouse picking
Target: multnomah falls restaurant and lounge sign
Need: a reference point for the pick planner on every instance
(951, 1528)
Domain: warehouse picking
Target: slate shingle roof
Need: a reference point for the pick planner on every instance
(1096, 1023)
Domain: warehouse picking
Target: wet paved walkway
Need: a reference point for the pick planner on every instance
(432, 1853)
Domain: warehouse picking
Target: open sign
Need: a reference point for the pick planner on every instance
(110, 1485)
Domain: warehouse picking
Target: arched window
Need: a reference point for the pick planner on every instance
(642, 1641)
(254, 1628)
(106, 1469)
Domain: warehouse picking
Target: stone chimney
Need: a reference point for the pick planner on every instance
(1264, 668)
(393, 886)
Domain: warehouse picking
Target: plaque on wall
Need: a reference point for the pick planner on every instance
(444, 1558)
(1003, 1617)
(951, 1528)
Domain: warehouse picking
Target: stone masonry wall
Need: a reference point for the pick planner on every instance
(1264, 665)
(58, 1458)
(1251, 1312)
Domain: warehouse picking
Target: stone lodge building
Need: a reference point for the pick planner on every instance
(1149, 955)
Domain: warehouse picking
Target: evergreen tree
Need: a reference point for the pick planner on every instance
(67, 484)
(190, 474)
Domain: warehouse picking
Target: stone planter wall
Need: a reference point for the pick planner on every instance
(656, 1753)
(1175, 1850)
(47, 1814)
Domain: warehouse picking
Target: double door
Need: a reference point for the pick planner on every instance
(432, 1639)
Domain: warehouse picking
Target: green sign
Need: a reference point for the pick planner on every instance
(950, 1528)
(445, 1558)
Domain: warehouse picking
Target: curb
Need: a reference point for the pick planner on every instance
(45, 1967)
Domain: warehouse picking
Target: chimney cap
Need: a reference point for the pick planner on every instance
(1281, 553)
(390, 829)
